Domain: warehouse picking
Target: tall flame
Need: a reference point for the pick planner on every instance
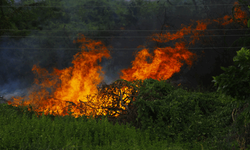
(167, 61)
(77, 85)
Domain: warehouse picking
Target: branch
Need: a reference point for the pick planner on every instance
(170, 3)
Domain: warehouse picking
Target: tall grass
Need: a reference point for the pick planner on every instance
(23, 130)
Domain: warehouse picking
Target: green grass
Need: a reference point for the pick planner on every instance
(25, 132)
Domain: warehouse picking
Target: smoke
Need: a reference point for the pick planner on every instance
(16, 74)
(12, 88)
(16, 64)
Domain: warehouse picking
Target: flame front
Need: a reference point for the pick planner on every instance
(77, 85)
(164, 63)
(167, 61)
(72, 84)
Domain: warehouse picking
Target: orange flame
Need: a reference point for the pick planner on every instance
(167, 61)
(71, 84)
(240, 16)
(164, 63)
(78, 84)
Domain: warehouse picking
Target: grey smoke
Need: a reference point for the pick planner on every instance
(16, 75)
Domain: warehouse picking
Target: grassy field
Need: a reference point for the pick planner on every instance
(22, 132)
(26, 132)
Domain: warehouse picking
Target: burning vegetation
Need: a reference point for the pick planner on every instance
(77, 86)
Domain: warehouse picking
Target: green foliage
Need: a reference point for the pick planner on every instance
(57, 27)
(22, 132)
(149, 85)
(164, 112)
(19, 18)
(235, 80)
(171, 113)
(167, 115)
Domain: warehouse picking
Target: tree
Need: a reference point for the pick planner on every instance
(14, 18)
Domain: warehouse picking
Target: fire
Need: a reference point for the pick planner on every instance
(164, 63)
(78, 85)
(72, 84)
(240, 16)
(167, 61)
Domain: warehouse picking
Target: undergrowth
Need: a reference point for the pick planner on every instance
(168, 118)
